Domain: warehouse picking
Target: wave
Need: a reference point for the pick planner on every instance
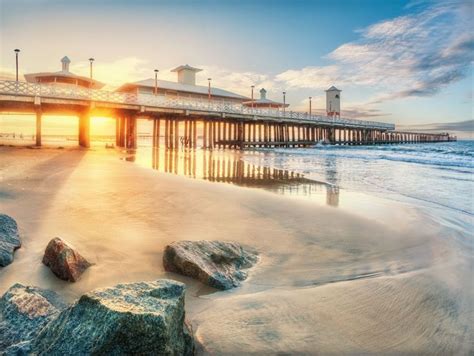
(427, 154)
(435, 177)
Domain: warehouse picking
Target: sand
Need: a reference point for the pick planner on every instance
(328, 281)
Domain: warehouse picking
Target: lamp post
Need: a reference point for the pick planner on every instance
(156, 81)
(310, 106)
(91, 60)
(16, 50)
(284, 103)
(253, 86)
(209, 89)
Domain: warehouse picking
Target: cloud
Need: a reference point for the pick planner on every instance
(7, 74)
(462, 129)
(238, 82)
(115, 73)
(413, 55)
(310, 77)
(467, 125)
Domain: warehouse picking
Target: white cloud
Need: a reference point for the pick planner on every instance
(238, 82)
(7, 74)
(117, 72)
(310, 77)
(412, 55)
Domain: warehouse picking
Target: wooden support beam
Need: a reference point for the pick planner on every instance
(158, 131)
(167, 133)
(240, 135)
(204, 134)
(39, 115)
(176, 133)
(84, 130)
(131, 139)
(186, 133)
(117, 132)
(171, 134)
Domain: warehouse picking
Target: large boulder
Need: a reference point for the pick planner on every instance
(144, 318)
(9, 239)
(66, 263)
(24, 311)
(215, 263)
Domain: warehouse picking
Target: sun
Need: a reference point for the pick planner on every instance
(101, 125)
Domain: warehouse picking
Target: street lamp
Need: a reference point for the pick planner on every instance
(91, 60)
(156, 81)
(253, 86)
(16, 50)
(310, 106)
(284, 103)
(209, 89)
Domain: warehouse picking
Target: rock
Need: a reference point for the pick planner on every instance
(64, 261)
(144, 318)
(215, 263)
(23, 313)
(9, 239)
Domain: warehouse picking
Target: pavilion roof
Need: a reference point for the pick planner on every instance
(186, 66)
(180, 87)
(66, 74)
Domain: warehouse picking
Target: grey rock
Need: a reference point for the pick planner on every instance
(9, 239)
(21, 349)
(144, 318)
(24, 311)
(215, 263)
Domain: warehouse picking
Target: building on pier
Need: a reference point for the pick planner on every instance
(333, 102)
(264, 103)
(184, 88)
(63, 77)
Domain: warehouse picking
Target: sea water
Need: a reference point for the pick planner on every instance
(435, 177)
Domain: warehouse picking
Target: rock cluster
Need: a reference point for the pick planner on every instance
(144, 318)
(9, 239)
(215, 263)
(66, 263)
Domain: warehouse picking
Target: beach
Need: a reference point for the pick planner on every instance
(371, 276)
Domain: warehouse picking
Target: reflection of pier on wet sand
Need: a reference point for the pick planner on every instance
(228, 167)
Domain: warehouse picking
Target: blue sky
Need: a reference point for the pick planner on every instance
(396, 61)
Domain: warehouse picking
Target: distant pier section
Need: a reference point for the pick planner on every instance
(190, 115)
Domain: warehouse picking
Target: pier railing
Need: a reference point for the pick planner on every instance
(215, 105)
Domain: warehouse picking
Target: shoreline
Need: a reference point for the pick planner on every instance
(316, 273)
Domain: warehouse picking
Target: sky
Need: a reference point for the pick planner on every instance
(400, 61)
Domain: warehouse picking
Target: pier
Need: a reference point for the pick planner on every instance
(194, 122)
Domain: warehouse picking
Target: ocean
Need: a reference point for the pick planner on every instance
(437, 178)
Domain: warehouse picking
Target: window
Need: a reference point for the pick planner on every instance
(337, 96)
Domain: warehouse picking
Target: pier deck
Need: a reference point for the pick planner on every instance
(220, 123)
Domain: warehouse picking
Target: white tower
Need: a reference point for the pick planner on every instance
(333, 101)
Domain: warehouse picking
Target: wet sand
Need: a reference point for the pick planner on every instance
(379, 279)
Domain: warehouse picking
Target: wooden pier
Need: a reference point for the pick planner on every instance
(197, 123)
